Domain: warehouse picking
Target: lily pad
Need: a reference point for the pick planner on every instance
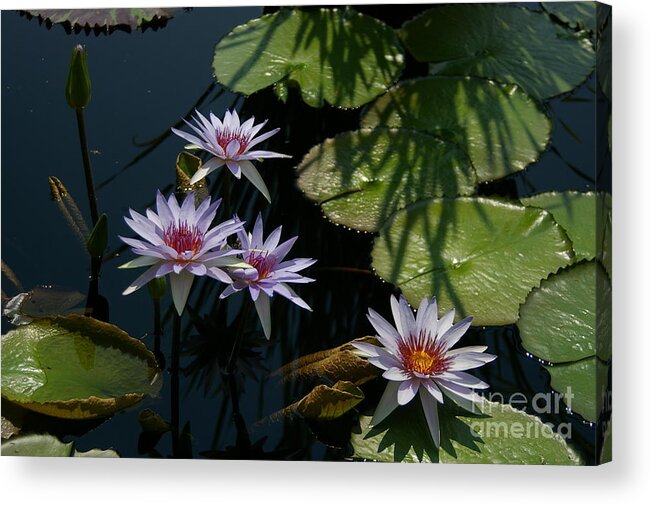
(501, 128)
(103, 18)
(49, 446)
(76, 367)
(574, 14)
(509, 44)
(480, 256)
(360, 178)
(558, 321)
(577, 213)
(583, 380)
(567, 321)
(605, 57)
(334, 55)
(496, 434)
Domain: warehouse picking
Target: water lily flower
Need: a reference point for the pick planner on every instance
(177, 240)
(230, 143)
(267, 271)
(417, 357)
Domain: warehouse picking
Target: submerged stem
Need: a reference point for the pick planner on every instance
(174, 371)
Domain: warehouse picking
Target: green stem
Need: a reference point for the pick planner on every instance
(158, 333)
(88, 170)
(176, 348)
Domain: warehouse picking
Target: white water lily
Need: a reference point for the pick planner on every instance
(178, 241)
(230, 143)
(417, 358)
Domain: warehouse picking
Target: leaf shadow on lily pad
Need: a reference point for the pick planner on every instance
(333, 55)
(405, 431)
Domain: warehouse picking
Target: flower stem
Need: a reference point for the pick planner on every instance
(174, 371)
(158, 332)
(88, 171)
(243, 440)
(227, 193)
(92, 300)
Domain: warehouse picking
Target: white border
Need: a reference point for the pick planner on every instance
(626, 480)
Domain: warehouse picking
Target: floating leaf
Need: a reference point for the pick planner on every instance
(577, 213)
(501, 128)
(582, 379)
(76, 367)
(360, 178)
(567, 321)
(49, 446)
(325, 403)
(480, 256)
(507, 43)
(497, 434)
(559, 319)
(103, 19)
(337, 364)
(574, 14)
(605, 56)
(334, 55)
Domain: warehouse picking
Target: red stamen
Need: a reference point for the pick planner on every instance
(424, 355)
(225, 136)
(183, 238)
(262, 262)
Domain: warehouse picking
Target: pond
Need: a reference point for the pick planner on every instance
(144, 82)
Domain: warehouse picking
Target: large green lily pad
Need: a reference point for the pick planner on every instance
(360, 178)
(501, 128)
(507, 43)
(581, 15)
(335, 55)
(583, 380)
(49, 446)
(567, 321)
(76, 367)
(496, 434)
(558, 321)
(480, 256)
(577, 213)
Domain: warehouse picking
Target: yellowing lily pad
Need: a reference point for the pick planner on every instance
(361, 178)
(76, 367)
(502, 129)
(337, 56)
(480, 256)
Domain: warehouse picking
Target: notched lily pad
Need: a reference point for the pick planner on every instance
(577, 213)
(76, 367)
(567, 321)
(502, 129)
(361, 178)
(509, 44)
(480, 256)
(496, 434)
(104, 20)
(581, 15)
(45, 445)
(334, 55)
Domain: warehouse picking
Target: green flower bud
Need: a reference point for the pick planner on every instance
(78, 85)
(98, 238)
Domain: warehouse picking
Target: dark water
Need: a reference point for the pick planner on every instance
(142, 84)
